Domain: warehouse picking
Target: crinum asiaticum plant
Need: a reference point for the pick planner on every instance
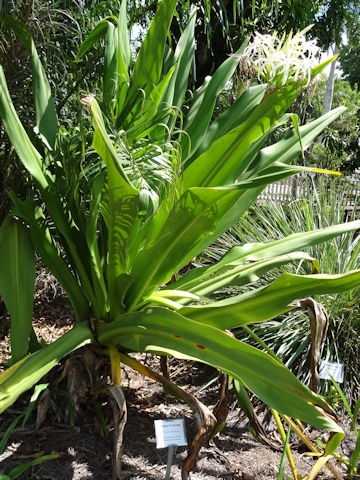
(115, 257)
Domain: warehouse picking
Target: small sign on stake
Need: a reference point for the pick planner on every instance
(170, 433)
(336, 370)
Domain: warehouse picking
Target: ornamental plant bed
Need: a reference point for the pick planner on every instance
(85, 452)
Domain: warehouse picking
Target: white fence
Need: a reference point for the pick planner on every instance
(285, 190)
(302, 184)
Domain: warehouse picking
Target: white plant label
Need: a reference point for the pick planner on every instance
(336, 370)
(170, 433)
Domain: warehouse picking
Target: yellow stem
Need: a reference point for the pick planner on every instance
(310, 445)
(283, 438)
(115, 365)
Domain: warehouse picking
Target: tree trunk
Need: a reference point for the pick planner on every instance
(329, 89)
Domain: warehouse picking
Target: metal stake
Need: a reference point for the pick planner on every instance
(171, 452)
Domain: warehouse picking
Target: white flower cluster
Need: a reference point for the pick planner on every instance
(278, 61)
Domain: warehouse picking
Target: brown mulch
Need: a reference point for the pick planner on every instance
(85, 450)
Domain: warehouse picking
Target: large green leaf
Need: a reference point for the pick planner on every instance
(149, 61)
(29, 156)
(238, 255)
(27, 372)
(111, 63)
(73, 235)
(32, 161)
(201, 112)
(285, 151)
(183, 59)
(94, 36)
(319, 68)
(239, 207)
(100, 288)
(116, 77)
(124, 57)
(224, 161)
(46, 117)
(17, 280)
(237, 113)
(248, 190)
(197, 101)
(122, 210)
(175, 237)
(124, 43)
(244, 202)
(116, 57)
(290, 148)
(50, 254)
(244, 274)
(161, 330)
(172, 237)
(144, 114)
(267, 302)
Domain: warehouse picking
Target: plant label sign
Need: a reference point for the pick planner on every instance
(170, 433)
(336, 370)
